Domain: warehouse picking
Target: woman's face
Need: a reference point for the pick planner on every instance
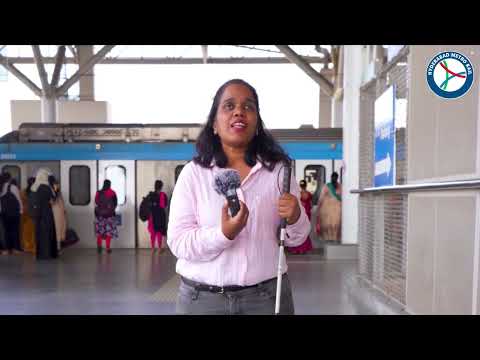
(236, 120)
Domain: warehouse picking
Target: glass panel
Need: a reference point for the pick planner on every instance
(118, 176)
(79, 180)
(315, 178)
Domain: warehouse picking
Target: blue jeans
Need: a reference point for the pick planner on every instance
(259, 300)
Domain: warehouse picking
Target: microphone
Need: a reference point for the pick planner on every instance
(226, 183)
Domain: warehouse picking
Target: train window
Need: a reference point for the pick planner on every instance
(178, 170)
(79, 180)
(314, 175)
(15, 172)
(117, 174)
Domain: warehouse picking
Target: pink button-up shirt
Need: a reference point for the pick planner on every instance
(196, 239)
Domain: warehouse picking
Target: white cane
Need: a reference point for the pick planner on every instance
(286, 189)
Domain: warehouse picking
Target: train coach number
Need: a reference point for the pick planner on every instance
(91, 132)
(134, 132)
(112, 133)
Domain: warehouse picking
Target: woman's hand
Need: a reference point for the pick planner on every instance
(231, 226)
(288, 208)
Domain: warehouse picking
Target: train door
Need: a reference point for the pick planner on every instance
(122, 175)
(78, 185)
(316, 173)
(147, 172)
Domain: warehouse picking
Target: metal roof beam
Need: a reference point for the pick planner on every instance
(325, 85)
(74, 52)
(20, 76)
(59, 59)
(174, 61)
(84, 69)
(41, 70)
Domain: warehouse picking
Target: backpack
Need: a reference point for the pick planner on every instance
(106, 206)
(9, 203)
(33, 204)
(145, 208)
(71, 238)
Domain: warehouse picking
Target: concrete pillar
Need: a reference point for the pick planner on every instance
(325, 111)
(378, 57)
(351, 118)
(337, 99)
(48, 109)
(337, 112)
(85, 52)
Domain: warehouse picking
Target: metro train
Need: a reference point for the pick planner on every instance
(133, 156)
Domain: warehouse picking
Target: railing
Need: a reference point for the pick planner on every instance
(447, 185)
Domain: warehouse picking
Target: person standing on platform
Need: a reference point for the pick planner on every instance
(306, 199)
(157, 221)
(27, 226)
(105, 221)
(329, 220)
(59, 213)
(41, 198)
(11, 210)
(229, 264)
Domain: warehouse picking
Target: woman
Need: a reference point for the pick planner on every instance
(157, 222)
(3, 245)
(306, 199)
(12, 213)
(2, 239)
(105, 221)
(330, 210)
(59, 213)
(228, 265)
(26, 223)
(45, 235)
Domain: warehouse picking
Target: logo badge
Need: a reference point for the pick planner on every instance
(450, 74)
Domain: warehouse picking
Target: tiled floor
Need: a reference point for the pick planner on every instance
(139, 282)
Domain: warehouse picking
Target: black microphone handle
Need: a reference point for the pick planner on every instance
(233, 203)
(287, 172)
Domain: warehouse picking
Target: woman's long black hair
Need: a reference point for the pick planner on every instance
(158, 185)
(106, 185)
(263, 145)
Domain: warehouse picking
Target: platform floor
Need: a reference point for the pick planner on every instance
(81, 282)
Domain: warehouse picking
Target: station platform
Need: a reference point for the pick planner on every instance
(139, 282)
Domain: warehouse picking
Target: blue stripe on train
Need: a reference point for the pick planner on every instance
(147, 151)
